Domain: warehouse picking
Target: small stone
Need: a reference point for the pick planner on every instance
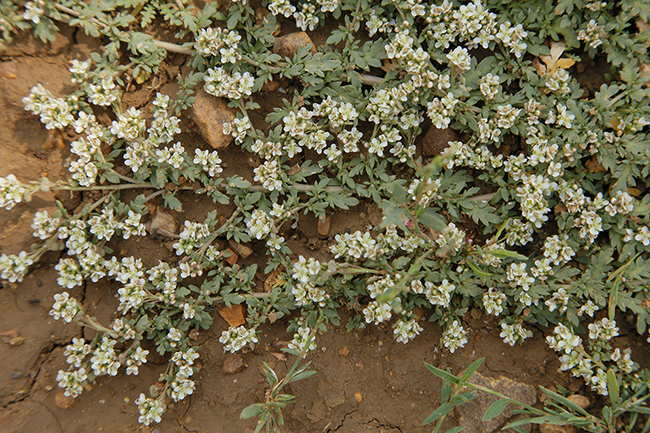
(210, 113)
(162, 224)
(240, 249)
(344, 351)
(194, 335)
(324, 226)
(435, 141)
(232, 257)
(551, 428)
(233, 364)
(62, 401)
(288, 45)
(358, 397)
(17, 376)
(7, 336)
(580, 400)
(17, 341)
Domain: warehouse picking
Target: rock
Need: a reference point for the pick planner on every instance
(471, 413)
(62, 401)
(358, 397)
(580, 400)
(551, 428)
(324, 226)
(270, 86)
(8, 69)
(242, 250)
(288, 45)
(17, 376)
(435, 140)
(162, 224)
(210, 113)
(9, 335)
(233, 364)
(344, 351)
(232, 257)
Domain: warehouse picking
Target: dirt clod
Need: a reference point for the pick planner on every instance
(210, 113)
(62, 401)
(288, 45)
(435, 141)
(233, 364)
(344, 351)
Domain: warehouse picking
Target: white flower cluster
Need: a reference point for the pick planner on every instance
(494, 301)
(44, 226)
(72, 381)
(150, 410)
(377, 312)
(104, 359)
(135, 360)
(519, 232)
(306, 18)
(281, 7)
(518, 277)
(354, 246)
(174, 156)
(558, 81)
(490, 86)
(406, 331)
(338, 113)
(561, 297)
(84, 170)
(209, 161)
(129, 125)
(513, 38)
(13, 192)
(56, 113)
(376, 24)
(14, 267)
(259, 224)
(104, 93)
(470, 23)
(558, 250)
(441, 111)
(304, 340)
(269, 175)
(304, 290)
(215, 42)
(382, 285)
(234, 339)
(591, 34)
(191, 237)
(451, 239)
(439, 295)
(563, 339)
(79, 71)
(65, 307)
(514, 333)
(425, 192)
(76, 351)
(454, 336)
(220, 83)
(238, 128)
(34, 10)
(603, 330)
(401, 49)
(534, 206)
(182, 386)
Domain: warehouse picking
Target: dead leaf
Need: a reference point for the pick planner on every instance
(280, 343)
(636, 192)
(554, 61)
(390, 65)
(594, 166)
(279, 356)
(273, 280)
(234, 315)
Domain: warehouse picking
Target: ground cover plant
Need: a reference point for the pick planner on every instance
(534, 207)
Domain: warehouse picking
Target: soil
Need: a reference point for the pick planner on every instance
(365, 381)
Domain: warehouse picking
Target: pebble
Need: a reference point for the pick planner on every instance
(580, 400)
(210, 113)
(288, 45)
(435, 141)
(16, 376)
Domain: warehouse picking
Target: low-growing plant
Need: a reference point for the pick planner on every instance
(535, 211)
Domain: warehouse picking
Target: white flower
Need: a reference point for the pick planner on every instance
(65, 307)
(377, 312)
(150, 409)
(454, 336)
(14, 267)
(259, 224)
(72, 381)
(234, 339)
(515, 333)
(460, 58)
(304, 340)
(407, 331)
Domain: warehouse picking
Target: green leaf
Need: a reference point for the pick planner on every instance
(612, 387)
(432, 219)
(441, 411)
(495, 409)
(302, 375)
(471, 369)
(506, 254)
(271, 377)
(444, 375)
(563, 400)
(172, 202)
(456, 429)
(252, 411)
